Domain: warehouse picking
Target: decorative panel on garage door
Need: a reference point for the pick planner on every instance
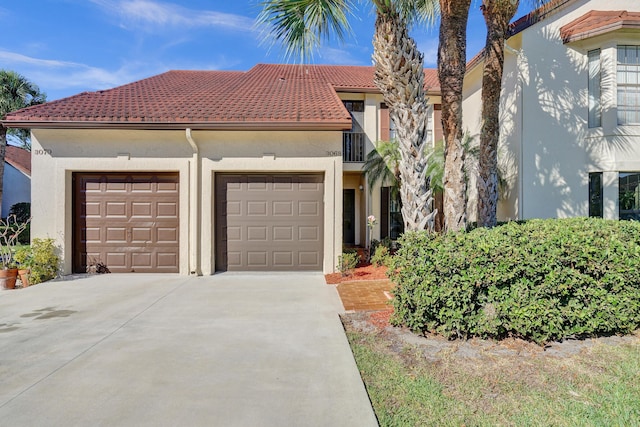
(269, 222)
(127, 221)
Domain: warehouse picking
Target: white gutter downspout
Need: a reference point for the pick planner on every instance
(194, 208)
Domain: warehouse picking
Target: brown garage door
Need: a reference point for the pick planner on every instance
(127, 221)
(269, 222)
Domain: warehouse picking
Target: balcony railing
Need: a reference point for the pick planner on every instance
(353, 147)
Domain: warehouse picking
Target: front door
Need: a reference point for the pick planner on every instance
(349, 217)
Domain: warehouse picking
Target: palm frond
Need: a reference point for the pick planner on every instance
(419, 11)
(381, 164)
(435, 167)
(301, 25)
(17, 92)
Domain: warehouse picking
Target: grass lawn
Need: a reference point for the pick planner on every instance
(433, 382)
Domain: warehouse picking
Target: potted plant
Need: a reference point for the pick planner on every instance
(24, 258)
(44, 260)
(10, 229)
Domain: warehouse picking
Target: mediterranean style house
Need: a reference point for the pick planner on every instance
(16, 182)
(203, 171)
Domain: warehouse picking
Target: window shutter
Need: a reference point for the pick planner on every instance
(438, 134)
(384, 122)
(384, 212)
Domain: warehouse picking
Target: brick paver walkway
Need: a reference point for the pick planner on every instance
(365, 295)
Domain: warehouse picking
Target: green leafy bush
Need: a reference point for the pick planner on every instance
(386, 242)
(540, 280)
(22, 212)
(41, 258)
(347, 262)
(381, 256)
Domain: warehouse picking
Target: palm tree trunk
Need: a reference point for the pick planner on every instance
(497, 14)
(451, 69)
(399, 74)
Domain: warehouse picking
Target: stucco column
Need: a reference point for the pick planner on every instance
(610, 195)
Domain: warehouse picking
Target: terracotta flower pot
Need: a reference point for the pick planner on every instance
(24, 277)
(8, 278)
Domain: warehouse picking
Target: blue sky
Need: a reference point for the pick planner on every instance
(71, 46)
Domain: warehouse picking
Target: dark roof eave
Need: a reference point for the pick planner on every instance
(343, 89)
(356, 89)
(273, 125)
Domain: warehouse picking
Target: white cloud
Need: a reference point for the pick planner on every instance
(62, 78)
(12, 57)
(159, 14)
(339, 56)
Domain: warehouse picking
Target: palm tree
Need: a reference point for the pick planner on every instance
(451, 70)
(497, 15)
(302, 24)
(399, 74)
(16, 92)
(382, 165)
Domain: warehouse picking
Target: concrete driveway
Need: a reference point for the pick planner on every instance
(168, 350)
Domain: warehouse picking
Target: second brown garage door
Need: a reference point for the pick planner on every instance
(269, 222)
(129, 221)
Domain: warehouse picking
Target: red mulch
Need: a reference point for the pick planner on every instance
(363, 272)
(380, 319)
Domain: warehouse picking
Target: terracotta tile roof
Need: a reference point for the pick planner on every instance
(360, 79)
(18, 158)
(267, 96)
(598, 22)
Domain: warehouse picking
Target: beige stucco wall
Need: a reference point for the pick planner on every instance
(58, 153)
(367, 200)
(545, 134)
(273, 152)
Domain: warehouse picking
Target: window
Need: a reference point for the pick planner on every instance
(353, 141)
(354, 106)
(628, 85)
(629, 195)
(391, 223)
(595, 194)
(392, 130)
(595, 75)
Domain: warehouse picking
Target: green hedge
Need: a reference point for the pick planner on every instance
(540, 280)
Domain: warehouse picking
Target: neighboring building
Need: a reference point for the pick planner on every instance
(570, 113)
(201, 171)
(16, 184)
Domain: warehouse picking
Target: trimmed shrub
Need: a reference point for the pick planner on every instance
(381, 256)
(540, 280)
(386, 242)
(347, 262)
